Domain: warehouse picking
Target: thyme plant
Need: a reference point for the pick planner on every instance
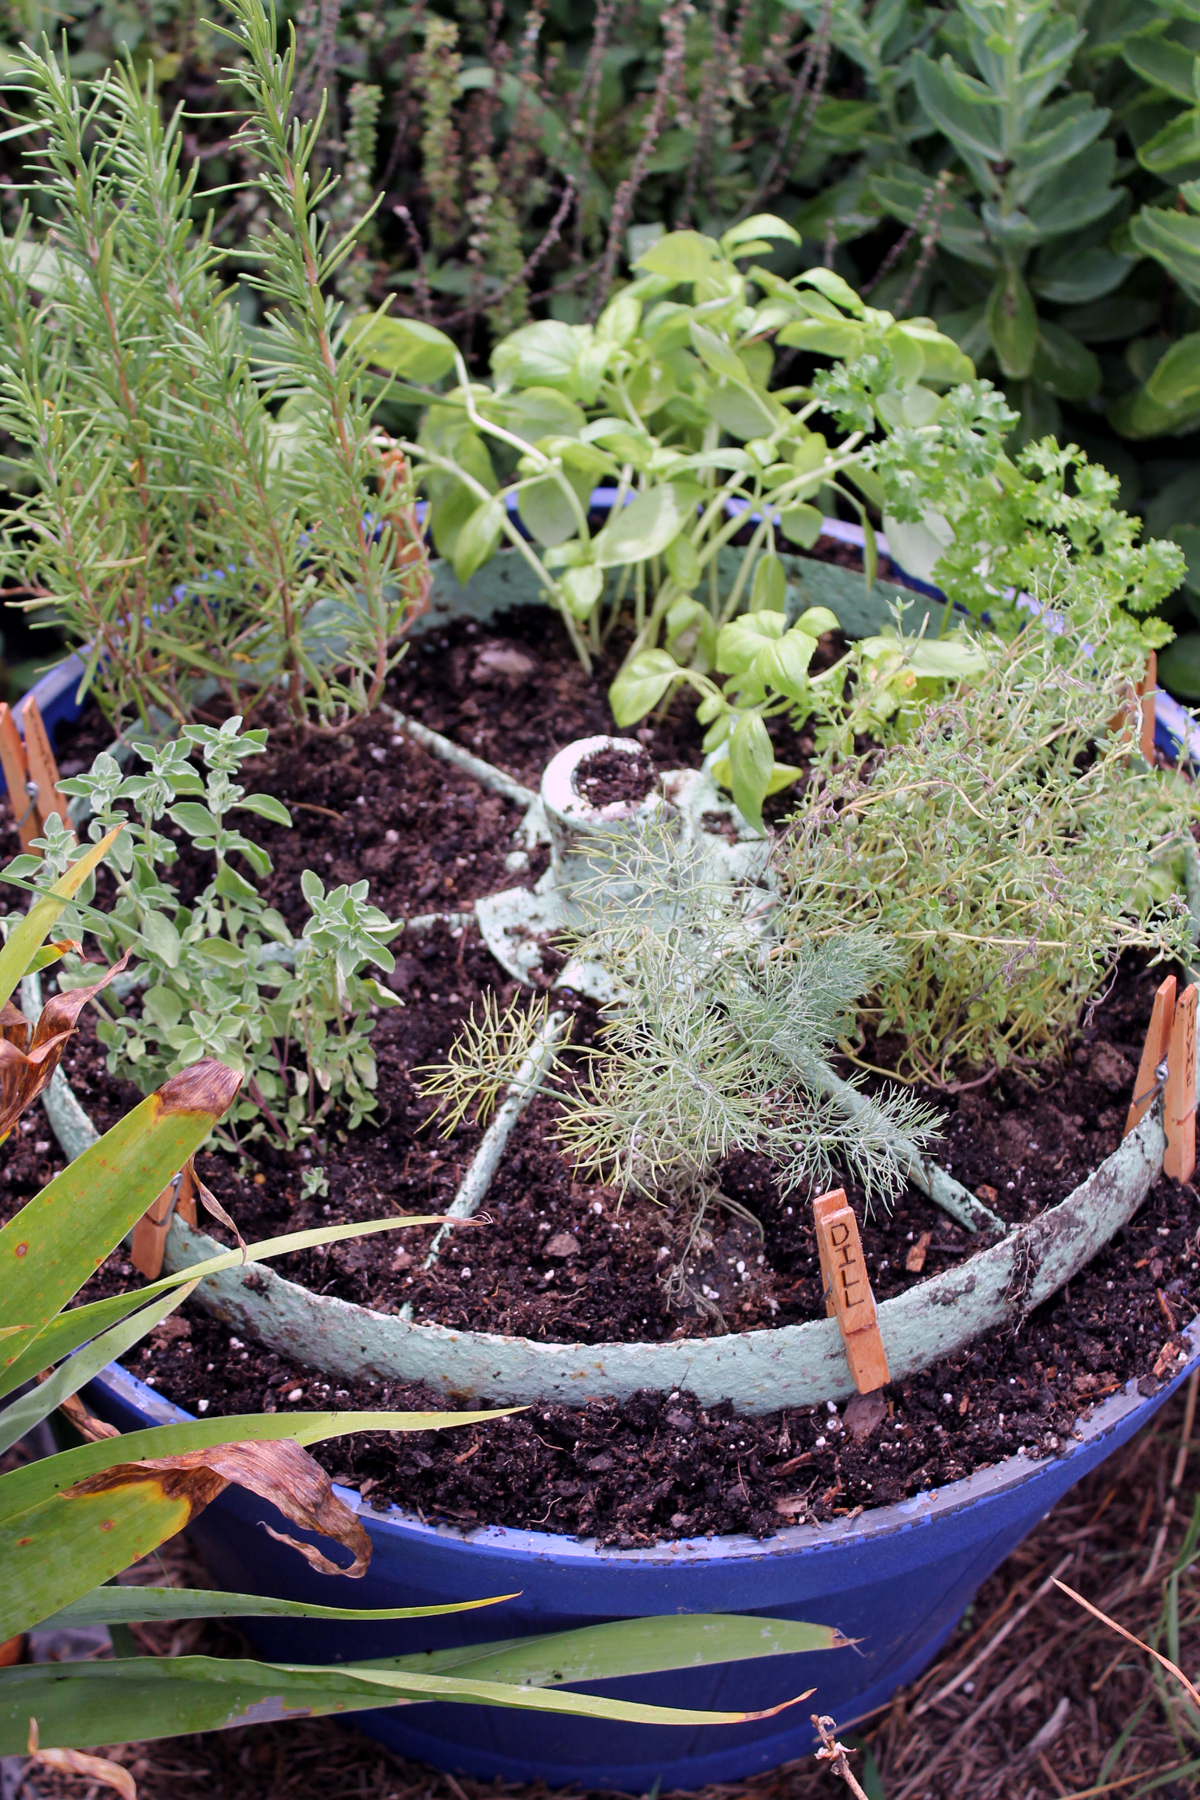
(1011, 846)
(203, 506)
(223, 976)
(718, 1041)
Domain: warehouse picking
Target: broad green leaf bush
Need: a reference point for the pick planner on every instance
(669, 399)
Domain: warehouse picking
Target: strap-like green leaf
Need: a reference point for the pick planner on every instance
(146, 1605)
(63, 1234)
(147, 1697)
(73, 1374)
(627, 1647)
(69, 1330)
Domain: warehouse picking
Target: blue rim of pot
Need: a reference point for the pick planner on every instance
(55, 692)
(1175, 729)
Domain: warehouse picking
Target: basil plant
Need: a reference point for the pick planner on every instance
(677, 401)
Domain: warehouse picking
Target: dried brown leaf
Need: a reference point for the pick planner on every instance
(212, 1205)
(90, 1428)
(282, 1473)
(864, 1414)
(205, 1086)
(76, 1762)
(28, 1061)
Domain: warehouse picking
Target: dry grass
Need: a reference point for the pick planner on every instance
(1034, 1700)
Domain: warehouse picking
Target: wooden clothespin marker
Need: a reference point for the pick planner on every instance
(1154, 1054)
(30, 772)
(149, 1236)
(848, 1296)
(1170, 1040)
(1139, 717)
(1179, 1100)
(22, 791)
(1145, 688)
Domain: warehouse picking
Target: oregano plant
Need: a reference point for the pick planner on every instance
(223, 976)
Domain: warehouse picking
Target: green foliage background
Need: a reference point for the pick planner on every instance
(1021, 170)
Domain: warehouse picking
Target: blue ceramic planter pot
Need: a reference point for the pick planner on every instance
(897, 1579)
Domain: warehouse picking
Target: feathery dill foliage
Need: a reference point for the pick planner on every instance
(1004, 846)
(484, 1060)
(717, 1041)
(169, 457)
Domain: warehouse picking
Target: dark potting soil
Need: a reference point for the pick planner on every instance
(567, 1260)
(609, 776)
(661, 1466)
(515, 693)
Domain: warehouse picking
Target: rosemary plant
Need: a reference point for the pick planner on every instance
(203, 508)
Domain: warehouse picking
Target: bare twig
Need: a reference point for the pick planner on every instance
(1192, 1693)
(836, 1755)
(810, 81)
(317, 76)
(421, 285)
(553, 233)
(589, 86)
(929, 241)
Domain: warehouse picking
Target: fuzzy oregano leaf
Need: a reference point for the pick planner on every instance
(193, 818)
(162, 939)
(267, 807)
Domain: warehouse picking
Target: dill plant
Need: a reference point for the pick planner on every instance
(718, 1039)
(204, 507)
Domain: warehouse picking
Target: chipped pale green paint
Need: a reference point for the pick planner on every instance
(796, 1365)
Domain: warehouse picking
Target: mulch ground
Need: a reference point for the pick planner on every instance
(1033, 1700)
